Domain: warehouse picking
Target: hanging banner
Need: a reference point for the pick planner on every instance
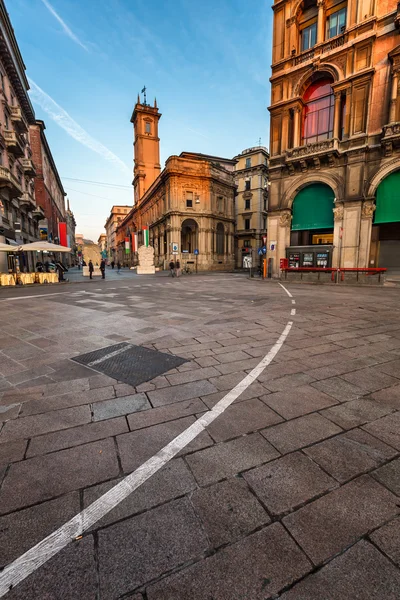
(62, 234)
(146, 236)
(134, 242)
(127, 246)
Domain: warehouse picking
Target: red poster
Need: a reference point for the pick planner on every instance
(62, 234)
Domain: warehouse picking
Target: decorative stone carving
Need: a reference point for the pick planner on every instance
(317, 162)
(146, 261)
(291, 168)
(331, 160)
(285, 219)
(303, 165)
(368, 210)
(338, 213)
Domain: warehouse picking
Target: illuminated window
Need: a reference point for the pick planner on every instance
(318, 112)
(336, 23)
(309, 37)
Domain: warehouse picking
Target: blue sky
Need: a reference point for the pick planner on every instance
(207, 62)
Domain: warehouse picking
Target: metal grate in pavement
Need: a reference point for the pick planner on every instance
(129, 363)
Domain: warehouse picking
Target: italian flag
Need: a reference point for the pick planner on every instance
(146, 236)
(134, 242)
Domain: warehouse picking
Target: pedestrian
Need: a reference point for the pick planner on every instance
(118, 267)
(47, 266)
(172, 268)
(178, 268)
(112, 264)
(103, 268)
(91, 269)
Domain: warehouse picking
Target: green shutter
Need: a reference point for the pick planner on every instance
(313, 208)
(388, 200)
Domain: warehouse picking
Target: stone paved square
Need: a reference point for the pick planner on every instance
(312, 442)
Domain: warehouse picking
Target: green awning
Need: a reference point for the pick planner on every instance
(313, 208)
(388, 200)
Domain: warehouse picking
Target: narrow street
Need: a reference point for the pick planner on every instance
(277, 414)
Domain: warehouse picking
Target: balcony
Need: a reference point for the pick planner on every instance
(17, 119)
(27, 200)
(333, 43)
(7, 180)
(14, 143)
(304, 57)
(29, 167)
(38, 213)
(313, 154)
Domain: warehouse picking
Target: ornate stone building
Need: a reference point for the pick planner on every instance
(187, 207)
(251, 203)
(335, 134)
(117, 214)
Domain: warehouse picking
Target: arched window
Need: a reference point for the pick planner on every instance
(318, 112)
(220, 238)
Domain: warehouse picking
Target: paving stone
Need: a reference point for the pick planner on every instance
(228, 511)
(165, 413)
(144, 547)
(172, 481)
(21, 530)
(350, 454)
(99, 381)
(299, 401)
(227, 382)
(138, 446)
(232, 367)
(370, 380)
(189, 376)
(255, 568)
(75, 436)
(391, 368)
(386, 429)
(389, 475)
(29, 375)
(360, 573)
(117, 407)
(339, 389)
(237, 355)
(244, 417)
(12, 452)
(387, 538)
(300, 432)
(288, 482)
(288, 381)
(55, 420)
(68, 369)
(177, 393)
(44, 477)
(67, 400)
(65, 387)
(331, 523)
(207, 361)
(229, 458)
(356, 412)
(389, 396)
(68, 575)
(255, 390)
(9, 412)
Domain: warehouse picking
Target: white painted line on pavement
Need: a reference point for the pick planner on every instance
(34, 558)
(34, 296)
(287, 291)
(110, 355)
(293, 312)
(293, 301)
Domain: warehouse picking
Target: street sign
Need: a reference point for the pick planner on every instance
(175, 248)
(264, 249)
(260, 252)
(196, 252)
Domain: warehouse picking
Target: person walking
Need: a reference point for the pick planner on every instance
(91, 269)
(103, 268)
(118, 267)
(172, 268)
(178, 268)
(112, 264)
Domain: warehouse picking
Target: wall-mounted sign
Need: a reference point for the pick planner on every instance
(175, 247)
(43, 233)
(272, 246)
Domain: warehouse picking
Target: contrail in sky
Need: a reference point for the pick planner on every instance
(67, 30)
(66, 122)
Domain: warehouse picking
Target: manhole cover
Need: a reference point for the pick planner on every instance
(129, 363)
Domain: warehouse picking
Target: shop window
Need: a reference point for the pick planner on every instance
(318, 112)
(247, 204)
(336, 23)
(247, 224)
(248, 163)
(309, 37)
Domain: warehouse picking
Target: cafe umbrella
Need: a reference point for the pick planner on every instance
(43, 247)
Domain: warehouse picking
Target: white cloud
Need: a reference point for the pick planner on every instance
(66, 122)
(67, 30)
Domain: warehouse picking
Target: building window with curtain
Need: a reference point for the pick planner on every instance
(309, 37)
(336, 23)
(318, 112)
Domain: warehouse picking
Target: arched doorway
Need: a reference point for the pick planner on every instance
(386, 225)
(189, 233)
(220, 239)
(311, 240)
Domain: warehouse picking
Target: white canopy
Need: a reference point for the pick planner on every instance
(7, 248)
(43, 247)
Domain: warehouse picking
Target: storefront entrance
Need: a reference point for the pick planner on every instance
(385, 242)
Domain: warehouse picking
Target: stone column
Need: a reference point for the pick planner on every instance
(348, 113)
(296, 127)
(320, 25)
(367, 213)
(279, 232)
(338, 213)
(336, 118)
(351, 234)
(285, 131)
(393, 98)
